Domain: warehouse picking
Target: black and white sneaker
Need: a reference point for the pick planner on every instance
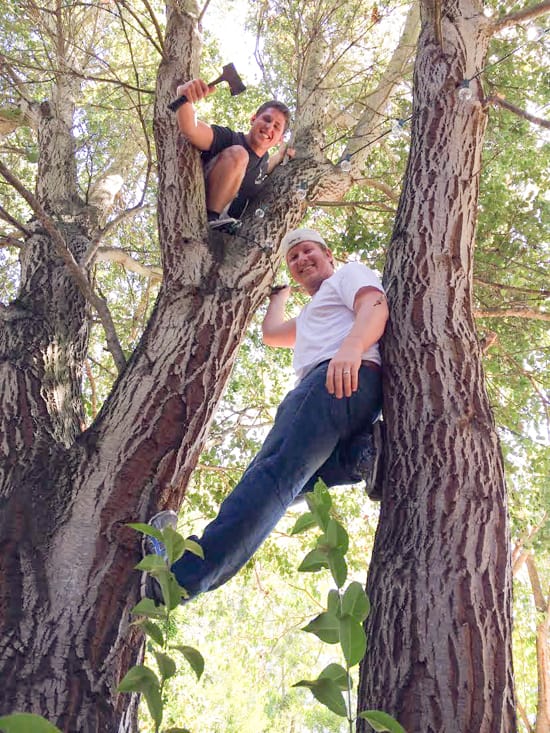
(373, 468)
(150, 587)
(225, 224)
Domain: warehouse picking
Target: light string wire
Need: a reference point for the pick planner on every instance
(464, 84)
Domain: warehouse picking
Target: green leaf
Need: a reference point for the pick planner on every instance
(319, 503)
(166, 665)
(355, 602)
(145, 529)
(172, 592)
(153, 631)
(150, 563)
(326, 627)
(25, 723)
(174, 543)
(338, 567)
(304, 522)
(177, 730)
(143, 680)
(147, 607)
(352, 640)
(194, 657)
(334, 605)
(314, 561)
(195, 548)
(337, 674)
(336, 536)
(381, 721)
(137, 679)
(328, 693)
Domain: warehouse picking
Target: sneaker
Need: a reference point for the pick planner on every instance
(152, 546)
(374, 467)
(225, 223)
(150, 587)
(363, 460)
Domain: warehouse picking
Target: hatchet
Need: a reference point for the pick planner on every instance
(229, 74)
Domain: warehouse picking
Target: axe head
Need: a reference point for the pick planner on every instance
(230, 75)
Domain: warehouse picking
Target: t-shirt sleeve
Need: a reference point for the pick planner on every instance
(351, 278)
(223, 138)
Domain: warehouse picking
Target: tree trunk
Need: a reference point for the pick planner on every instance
(439, 652)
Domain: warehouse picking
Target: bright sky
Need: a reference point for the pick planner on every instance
(226, 21)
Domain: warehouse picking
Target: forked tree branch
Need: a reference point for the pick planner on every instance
(72, 265)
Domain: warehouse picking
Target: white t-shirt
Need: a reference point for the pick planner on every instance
(326, 320)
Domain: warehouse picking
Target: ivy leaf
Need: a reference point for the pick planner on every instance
(381, 721)
(166, 665)
(147, 607)
(352, 640)
(143, 680)
(336, 536)
(338, 567)
(152, 630)
(334, 605)
(174, 543)
(314, 561)
(328, 693)
(25, 722)
(355, 602)
(150, 563)
(194, 657)
(319, 503)
(326, 627)
(304, 522)
(337, 674)
(194, 547)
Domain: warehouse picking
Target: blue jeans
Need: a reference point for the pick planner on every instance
(307, 441)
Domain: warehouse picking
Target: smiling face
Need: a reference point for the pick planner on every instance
(266, 130)
(309, 264)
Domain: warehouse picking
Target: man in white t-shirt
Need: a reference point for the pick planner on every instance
(337, 398)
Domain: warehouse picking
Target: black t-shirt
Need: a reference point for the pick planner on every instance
(256, 171)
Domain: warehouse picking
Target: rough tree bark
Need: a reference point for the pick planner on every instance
(439, 653)
(66, 558)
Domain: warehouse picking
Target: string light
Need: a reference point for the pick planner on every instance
(301, 192)
(345, 164)
(464, 92)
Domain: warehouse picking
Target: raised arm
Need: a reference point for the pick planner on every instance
(371, 315)
(198, 133)
(276, 330)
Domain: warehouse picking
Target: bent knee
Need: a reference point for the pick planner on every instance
(236, 155)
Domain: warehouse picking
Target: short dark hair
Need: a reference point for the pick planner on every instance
(275, 104)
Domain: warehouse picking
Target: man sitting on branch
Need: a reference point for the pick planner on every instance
(236, 164)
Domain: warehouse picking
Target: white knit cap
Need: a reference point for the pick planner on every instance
(296, 236)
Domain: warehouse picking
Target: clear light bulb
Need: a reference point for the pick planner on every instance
(259, 213)
(345, 164)
(464, 92)
(301, 192)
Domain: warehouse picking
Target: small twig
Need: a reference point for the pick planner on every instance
(497, 99)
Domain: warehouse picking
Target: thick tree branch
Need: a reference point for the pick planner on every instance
(497, 99)
(75, 270)
(522, 16)
(113, 254)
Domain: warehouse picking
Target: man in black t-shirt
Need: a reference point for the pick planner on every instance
(236, 164)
